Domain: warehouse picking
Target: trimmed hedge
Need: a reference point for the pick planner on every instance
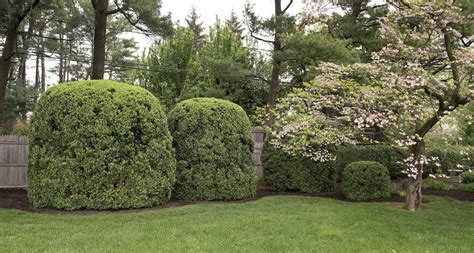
(214, 146)
(467, 187)
(99, 145)
(296, 173)
(434, 184)
(449, 157)
(467, 177)
(386, 155)
(365, 180)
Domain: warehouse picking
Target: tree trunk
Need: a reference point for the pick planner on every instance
(61, 58)
(98, 58)
(276, 68)
(68, 65)
(25, 39)
(8, 53)
(22, 56)
(43, 67)
(37, 72)
(414, 196)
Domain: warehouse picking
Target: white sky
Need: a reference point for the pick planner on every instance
(208, 9)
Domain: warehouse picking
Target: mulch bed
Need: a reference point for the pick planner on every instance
(16, 198)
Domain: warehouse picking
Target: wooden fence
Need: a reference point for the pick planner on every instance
(13, 161)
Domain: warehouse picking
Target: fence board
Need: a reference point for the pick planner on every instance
(13, 161)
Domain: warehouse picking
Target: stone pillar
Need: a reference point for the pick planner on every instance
(258, 136)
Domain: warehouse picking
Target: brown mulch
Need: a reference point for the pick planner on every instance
(16, 198)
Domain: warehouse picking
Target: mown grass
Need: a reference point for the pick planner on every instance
(271, 224)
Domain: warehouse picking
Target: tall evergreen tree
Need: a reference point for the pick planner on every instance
(235, 25)
(195, 25)
(272, 31)
(359, 24)
(18, 10)
(143, 15)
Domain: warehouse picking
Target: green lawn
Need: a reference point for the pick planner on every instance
(280, 223)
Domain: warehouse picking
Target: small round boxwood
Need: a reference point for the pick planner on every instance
(285, 172)
(365, 180)
(99, 145)
(390, 157)
(214, 146)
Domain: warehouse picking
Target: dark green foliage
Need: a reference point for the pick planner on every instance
(99, 145)
(20, 100)
(359, 24)
(305, 51)
(467, 187)
(467, 177)
(449, 157)
(169, 65)
(431, 183)
(296, 173)
(383, 154)
(366, 180)
(214, 146)
(4, 11)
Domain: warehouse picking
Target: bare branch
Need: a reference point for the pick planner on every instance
(127, 16)
(25, 13)
(431, 93)
(260, 78)
(261, 39)
(111, 12)
(287, 6)
(118, 9)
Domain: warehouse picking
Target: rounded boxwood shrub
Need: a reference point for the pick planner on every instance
(285, 172)
(365, 180)
(214, 146)
(99, 145)
(384, 154)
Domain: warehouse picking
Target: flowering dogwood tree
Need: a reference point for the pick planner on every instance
(422, 75)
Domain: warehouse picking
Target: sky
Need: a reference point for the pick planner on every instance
(208, 9)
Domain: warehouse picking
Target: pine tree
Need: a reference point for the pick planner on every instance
(195, 26)
(235, 25)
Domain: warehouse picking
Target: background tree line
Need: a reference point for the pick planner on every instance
(251, 60)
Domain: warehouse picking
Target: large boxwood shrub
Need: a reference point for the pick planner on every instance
(99, 145)
(365, 180)
(214, 146)
(286, 172)
(384, 154)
